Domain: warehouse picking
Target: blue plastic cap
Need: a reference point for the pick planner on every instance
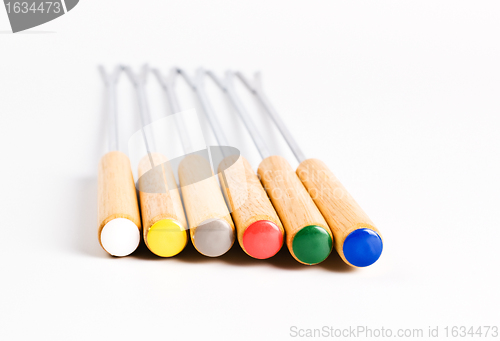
(362, 247)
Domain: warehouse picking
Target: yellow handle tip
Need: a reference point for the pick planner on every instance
(166, 238)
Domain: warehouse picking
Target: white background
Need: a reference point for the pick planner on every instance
(400, 98)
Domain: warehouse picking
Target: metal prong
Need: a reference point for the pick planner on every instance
(144, 74)
(198, 88)
(168, 87)
(228, 89)
(144, 113)
(130, 74)
(216, 80)
(268, 107)
(186, 78)
(110, 81)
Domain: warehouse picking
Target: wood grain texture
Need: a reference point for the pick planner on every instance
(161, 198)
(201, 192)
(246, 196)
(117, 197)
(340, 210)
(289, 197)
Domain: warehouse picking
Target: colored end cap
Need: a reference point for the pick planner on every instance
(213, 237)
(312, 244)
(362, 247)
(262, 239)
(166, 238)
(120, 237)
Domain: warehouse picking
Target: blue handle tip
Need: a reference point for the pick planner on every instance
(362, 247)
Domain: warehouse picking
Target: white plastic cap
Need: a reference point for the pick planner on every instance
(120, 237)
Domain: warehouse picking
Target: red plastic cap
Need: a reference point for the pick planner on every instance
(262, 239)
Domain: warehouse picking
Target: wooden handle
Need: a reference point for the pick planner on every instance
(116, 191)
(290, 199)
(340, 210)
(247, 198)
(161, 200)
(203, 200)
